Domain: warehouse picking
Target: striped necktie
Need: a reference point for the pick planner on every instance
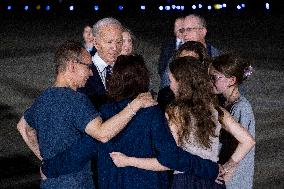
(108, 73)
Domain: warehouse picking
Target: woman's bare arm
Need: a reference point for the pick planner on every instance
(152, 164)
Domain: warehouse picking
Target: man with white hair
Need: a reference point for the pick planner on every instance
(195, 29)
(108, 42)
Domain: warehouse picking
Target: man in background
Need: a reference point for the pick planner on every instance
(195, 29)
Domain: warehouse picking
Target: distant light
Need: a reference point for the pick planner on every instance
(47, 8)
(267, 6)
(199, 6)
(96, 7)
(167, 8)
(173, 7)
(9, 7)
(224, 5)
(178, 7)
(243, 5)
(38, 7)
(142, 7)
(120, 7)
(239, 7)
(161, 8)
(71, 8)
(26, 8)
(217, 6)
(194, 7)
(181, 7)
(209, 7)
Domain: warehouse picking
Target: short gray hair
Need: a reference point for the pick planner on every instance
(105, 22)
(70, 50)
(202, 20)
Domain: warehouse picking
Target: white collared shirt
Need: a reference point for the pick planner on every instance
(101, 67)
(179, 42)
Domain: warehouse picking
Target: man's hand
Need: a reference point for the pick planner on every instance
(30, 136)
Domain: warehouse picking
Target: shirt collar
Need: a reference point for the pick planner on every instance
(99, 63)
(178, 40)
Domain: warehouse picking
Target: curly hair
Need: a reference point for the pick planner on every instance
(130, 77)
(192, 108)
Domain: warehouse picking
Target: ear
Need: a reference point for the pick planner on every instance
(232, 80)
(70, 66)
(96, 42)
(204, 32)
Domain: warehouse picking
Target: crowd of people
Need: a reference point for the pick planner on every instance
(98, 126)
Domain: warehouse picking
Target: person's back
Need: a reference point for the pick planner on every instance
(193, 146)
(140, 139)
(56, 115)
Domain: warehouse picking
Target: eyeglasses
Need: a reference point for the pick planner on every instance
(191, 29)
(89, 66)
(181, 30)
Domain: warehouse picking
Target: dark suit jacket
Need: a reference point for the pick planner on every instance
(95, 89)
(167, 51)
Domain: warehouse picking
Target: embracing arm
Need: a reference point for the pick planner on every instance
(168, 155)
(191, 163)
(195, 164)
(246, 141)
(175, 158)
(74, 158)
(152, 164)
(30, 136)
(111, 127)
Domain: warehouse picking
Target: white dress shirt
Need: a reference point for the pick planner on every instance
(179, 42)
(101, 67)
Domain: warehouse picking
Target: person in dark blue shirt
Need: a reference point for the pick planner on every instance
(61, 116)
(147, 135)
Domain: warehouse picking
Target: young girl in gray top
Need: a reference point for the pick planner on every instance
(227, 72)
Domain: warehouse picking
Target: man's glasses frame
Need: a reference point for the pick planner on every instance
(182, 30)
(89, 66)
